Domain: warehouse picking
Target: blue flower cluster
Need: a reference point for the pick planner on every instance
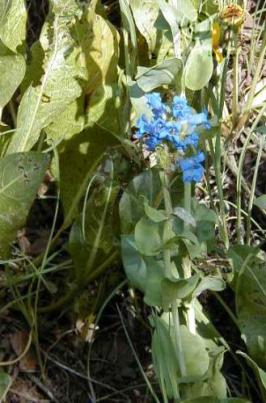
(178, 125)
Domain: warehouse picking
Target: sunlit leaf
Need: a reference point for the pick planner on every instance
(21, 175)
(13, 18)
(58, 86)
(199, 66)
(166, 73)
(12, 70)
(145, 14)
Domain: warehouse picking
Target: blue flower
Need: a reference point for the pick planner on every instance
(200, 119)
(179, 127)
(158, 108)
(192, 168)
(180, 108)
(143, 126)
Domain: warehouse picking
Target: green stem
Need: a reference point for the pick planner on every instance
(186, 263)
(253, 189)
(235, 82)
(178, 339)
(167, 264)
(216, 156)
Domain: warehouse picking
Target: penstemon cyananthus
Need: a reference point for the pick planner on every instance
(165, 232)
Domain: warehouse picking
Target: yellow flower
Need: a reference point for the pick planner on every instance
(216, 35)
(216, 41)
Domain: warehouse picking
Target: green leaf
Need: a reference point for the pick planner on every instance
(71, 121)
(193, 346)
(164, 358)
(79, 157)
(251, 309)
(21, 175)
(98, 50)
(155, 275)
(5, 383)
(13, 18)
(179, 289)
(12, 71)
(147, 230)
(145, 15)
(165, 73)
(58, 86)
(199, 66)
(209, 283)
(147, 185)
(105, 109)
(184, 215)
(261, 375)
(91, 237)
(133, 262)
(130, 32)
(154, 214)
(260, 202)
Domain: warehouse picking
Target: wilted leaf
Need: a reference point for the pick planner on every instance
(21, 175)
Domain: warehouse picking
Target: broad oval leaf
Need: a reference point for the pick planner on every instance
(21, 175)
(199, 66)
(166, 73)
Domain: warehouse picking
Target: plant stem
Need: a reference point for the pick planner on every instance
(167, 263)
(235, 82)
(186, 263)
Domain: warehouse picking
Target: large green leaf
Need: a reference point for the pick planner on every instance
(79, 157)
(199, 66)
(71, 121)
(145, 15)
(21, 175)
(58, 87)
(105, 109)
(13, 18)
(12, 70)
(133, 262)
(261, 375)
(92, 234)
(251, 309)
(166, 73)
(98, 46)
(131, 205)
